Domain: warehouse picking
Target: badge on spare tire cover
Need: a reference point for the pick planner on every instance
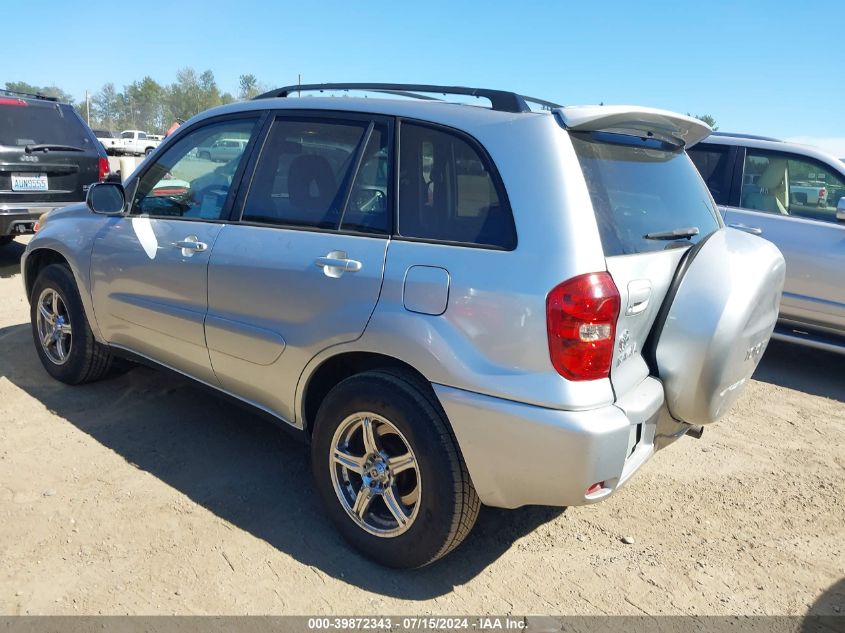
(721, 319)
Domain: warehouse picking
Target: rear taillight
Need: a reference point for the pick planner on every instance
(104, 168)
(581, 316)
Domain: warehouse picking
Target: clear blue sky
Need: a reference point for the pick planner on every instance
(764, 66)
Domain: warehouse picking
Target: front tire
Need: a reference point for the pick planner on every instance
(389, 471)
(60, 331)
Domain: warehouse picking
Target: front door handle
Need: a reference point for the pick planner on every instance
(191, 245)
(748, 229)
(336, 263)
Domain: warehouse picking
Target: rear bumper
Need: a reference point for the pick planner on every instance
(19, 218)
(519, 454)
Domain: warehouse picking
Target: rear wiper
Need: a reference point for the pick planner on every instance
(44, 147)
(674, 234)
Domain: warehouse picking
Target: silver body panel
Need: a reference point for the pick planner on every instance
(254, 316)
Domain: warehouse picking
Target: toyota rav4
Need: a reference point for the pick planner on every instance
(454, 305)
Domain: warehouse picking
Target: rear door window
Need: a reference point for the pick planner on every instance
(714, 164)
(304, 172)
(642, 187)
(448, 191)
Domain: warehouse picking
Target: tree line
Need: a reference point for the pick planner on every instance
(146, 104)
(150, 106)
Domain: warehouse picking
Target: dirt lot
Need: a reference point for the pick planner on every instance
(142, 494)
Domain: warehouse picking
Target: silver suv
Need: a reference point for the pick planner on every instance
(794, 196)
(455, 305)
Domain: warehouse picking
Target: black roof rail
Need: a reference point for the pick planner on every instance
(501, 100)
(754, 137)
(28, 95)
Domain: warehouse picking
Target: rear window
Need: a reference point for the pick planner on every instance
(641, 187)
(447, 191)
(29, 124)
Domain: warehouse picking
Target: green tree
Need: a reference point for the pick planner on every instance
(147, 102)
(708, 119)
(248, 86)
(47, 91)
(105, 107)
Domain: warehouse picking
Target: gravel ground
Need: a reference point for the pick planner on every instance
(144, 495)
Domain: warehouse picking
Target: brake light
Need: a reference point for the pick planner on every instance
(12, 102)
(104, 168)
(581, 316)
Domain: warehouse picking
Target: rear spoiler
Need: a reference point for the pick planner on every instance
(663, 125)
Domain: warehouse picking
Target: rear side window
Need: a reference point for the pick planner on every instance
(714, 164)
(303, 172)
(641, 188)
(23, 123)
(447, 191)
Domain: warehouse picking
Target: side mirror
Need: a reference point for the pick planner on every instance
(840, 210)
(106, 198)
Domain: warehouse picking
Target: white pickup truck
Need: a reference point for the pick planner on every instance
(130, 143)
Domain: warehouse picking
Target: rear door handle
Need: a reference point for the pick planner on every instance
(191, 245)
(336, 263)
(748, 229)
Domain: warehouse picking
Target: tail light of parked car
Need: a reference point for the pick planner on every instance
(822, 193)
(581, 316)
(104, 168)
(12, 102)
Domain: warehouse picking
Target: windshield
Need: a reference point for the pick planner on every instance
(29, 124)
(642, 190)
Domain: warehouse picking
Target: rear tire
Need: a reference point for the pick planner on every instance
(60, 330)
(435, 494)
(148, 151)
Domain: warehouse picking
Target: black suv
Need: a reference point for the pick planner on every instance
(48, 158)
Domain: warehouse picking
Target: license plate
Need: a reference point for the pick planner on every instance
(29, 182)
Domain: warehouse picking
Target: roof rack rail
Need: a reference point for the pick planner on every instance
(29, 95)
(501, 100)
(755, 137)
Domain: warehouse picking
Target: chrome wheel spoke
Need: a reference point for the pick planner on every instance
(362, 502)
(395, 506)
(64, 328)
(410, 498)
(401, 463)
(55, 304)
(368, 431)
(61, 352)
(45, 313)
(350, 462)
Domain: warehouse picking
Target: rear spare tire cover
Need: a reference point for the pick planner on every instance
(719, 323)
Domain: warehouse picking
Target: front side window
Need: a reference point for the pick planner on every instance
(788, 184)
(447, 191)
(127, 135)
(185, 184)
(304, 173)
